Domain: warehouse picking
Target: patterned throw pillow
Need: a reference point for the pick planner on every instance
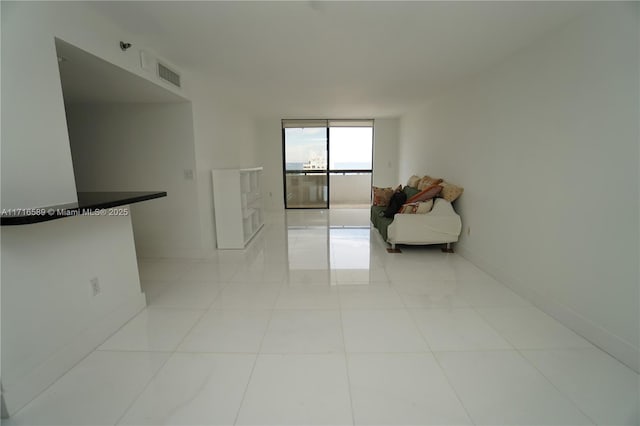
(426, 194)
(428, 181)
(381, 196)
(413, 181)
(417, 208)
(425, 207)
(450, 192)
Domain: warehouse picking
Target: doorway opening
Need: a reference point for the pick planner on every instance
(127, 133)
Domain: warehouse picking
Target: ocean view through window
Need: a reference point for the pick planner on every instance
(327, 163)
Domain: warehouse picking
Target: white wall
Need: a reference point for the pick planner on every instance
(36, 162)
(546, 146)
(50, 318)
(48, 321)
(268, 136)
(25, 164)
(224, 138)
(142, 147)
(37, 169)
(385, 153)
(269, 139)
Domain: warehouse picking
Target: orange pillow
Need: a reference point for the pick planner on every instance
(425, 194)
(428, 181)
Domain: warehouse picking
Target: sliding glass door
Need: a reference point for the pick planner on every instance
(350, 164)
(327, 163)
(305, 152)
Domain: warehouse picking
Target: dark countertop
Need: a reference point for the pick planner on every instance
(88, 203)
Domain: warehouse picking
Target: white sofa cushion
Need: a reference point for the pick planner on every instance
(441, 225)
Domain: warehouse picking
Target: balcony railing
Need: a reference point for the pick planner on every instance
(350, 189)
(344, 189)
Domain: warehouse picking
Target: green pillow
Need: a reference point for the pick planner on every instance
(410, 191)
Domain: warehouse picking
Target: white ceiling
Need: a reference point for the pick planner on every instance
(353, 59)
(88, 79)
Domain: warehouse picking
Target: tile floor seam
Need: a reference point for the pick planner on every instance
(389, 353)
(250, 309)
(193, 326)
(346, 361)
(419, 329)
(215, 298)
(435, 297)
(474, 351)
(144, 388)
(215, 353)
(494, 328)
(455, 391)
(97, 348)
(535, 348)
(153, 376)
(560, 391)
(134, 351)
(246, 388)
(585, 349)
(546, 379)
(373, 309)
(253, 367)
(56, 380)
(170, 308)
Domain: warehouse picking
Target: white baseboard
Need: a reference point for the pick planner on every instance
(617, 347)
(17, 395)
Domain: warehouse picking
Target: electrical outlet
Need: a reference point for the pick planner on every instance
(188, 174)
(95, 286)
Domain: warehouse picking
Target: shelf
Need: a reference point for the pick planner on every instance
(88, 203)
(248, 213)
(245, 183)
(238, 206)
(248, 237)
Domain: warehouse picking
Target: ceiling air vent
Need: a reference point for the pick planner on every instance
(168, 75)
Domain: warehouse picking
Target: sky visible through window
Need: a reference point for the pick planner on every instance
(302, 145)
(350, 149)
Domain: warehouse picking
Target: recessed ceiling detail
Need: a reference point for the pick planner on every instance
(87, 78)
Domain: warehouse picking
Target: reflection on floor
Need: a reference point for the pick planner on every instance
(315, 323)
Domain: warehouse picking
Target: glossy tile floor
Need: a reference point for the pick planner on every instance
(315, 323)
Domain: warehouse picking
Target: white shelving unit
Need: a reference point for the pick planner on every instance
(238, 206)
